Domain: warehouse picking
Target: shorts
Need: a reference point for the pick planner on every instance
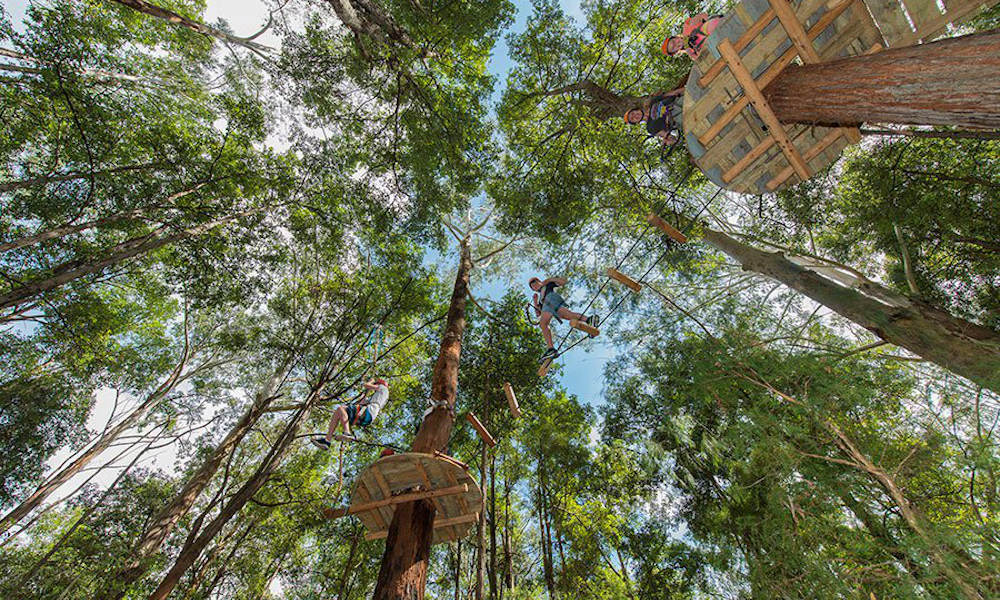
(352, 412)
(553, 302)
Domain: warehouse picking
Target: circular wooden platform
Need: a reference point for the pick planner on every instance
(455, 494)
(728, 127)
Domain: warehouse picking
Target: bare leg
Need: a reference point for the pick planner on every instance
(566, 313)
(339, 420)
(543, 323)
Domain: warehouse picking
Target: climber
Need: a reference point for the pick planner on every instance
(360, 413)
(696, 30)
(662, 113)
(551, 304)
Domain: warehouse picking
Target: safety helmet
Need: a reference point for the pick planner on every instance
(629, 111)
(666, 43)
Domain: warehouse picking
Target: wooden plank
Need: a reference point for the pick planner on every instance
(655, 220)
(776, 68)
(767, 115)
(891, 21)
(380, 523)
(932, 26)
(748, 159)
(393, 500)
(584, 327)
(544, 369)
(383, 487)
(795, 31)
(480, 429)
(515, 408)
(810, 154)
(438, 524)
(748, 36)
(438, 506)
(624, 279)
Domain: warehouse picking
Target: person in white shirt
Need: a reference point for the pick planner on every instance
(356, 414)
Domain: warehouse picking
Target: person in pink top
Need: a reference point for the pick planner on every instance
(696, 31)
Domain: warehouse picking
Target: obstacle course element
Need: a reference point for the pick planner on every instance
(544, 369)
(515, 408)
(484, 433)
(584, 327)
(625, 280)
(656, 221)
(411, 476)
(730, 130)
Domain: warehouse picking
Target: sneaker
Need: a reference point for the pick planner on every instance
(320, 442)
(549, 355)
(593, 320)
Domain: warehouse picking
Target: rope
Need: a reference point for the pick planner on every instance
(639, 238)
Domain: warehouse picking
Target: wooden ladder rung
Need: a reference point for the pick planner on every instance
(480, 429)
(624, 279)
(508, 391)
(588, 329)
(656, 221)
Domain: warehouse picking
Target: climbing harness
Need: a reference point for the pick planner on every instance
(433, 404)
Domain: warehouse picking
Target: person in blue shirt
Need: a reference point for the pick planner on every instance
(547, 304)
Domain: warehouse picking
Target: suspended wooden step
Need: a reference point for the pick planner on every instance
(667, 228)
(480, 429)
(729, 128)
(584, 327)
(544, 369)
(624, 279)
(508, 391)
(410, 476)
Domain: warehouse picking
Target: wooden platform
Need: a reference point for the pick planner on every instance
(730, 131)
(455, 494)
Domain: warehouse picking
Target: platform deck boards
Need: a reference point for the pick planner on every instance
(725, 134)
(391, 475)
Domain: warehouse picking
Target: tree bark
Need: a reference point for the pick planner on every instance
(168, 517)
(170, 16)
(965, 348)
(403, 573)
(348, 566)
(481, 527)
(493, 526)
(68, 271)
(98, 447)
(955, 82)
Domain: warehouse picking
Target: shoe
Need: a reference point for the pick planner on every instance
(340, 437)
(320, 442)
(550, 354)
(593, 320)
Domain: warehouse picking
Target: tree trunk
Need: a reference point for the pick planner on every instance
(493, 526)
(508, 550)
(190, 553)
(98, 447)
(168, 517)
(67, 272)
(195, 26)
(968, 349)
(348, 566)
(955, 81)
(481, 527)
(403, 574)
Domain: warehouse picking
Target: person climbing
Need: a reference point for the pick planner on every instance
(550, 304)
(696, 30)
(662, 113)
(360, 413)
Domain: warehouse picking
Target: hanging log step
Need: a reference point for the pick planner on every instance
(624, 279)
(480, 429)
(656, 221)
(584, 327)
(544, 369)
(508, 391)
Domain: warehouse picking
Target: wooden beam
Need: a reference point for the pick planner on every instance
(438, 523)
(936, 23)
(335, 513)
(795, 31)
(810, 154)
(748, 36)
(588, 329)
(544, 369)
(508, 391)
(624, 279)
(656, 221)
(748, 159)
(767, 115)
(481, 429)
(772, 72)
